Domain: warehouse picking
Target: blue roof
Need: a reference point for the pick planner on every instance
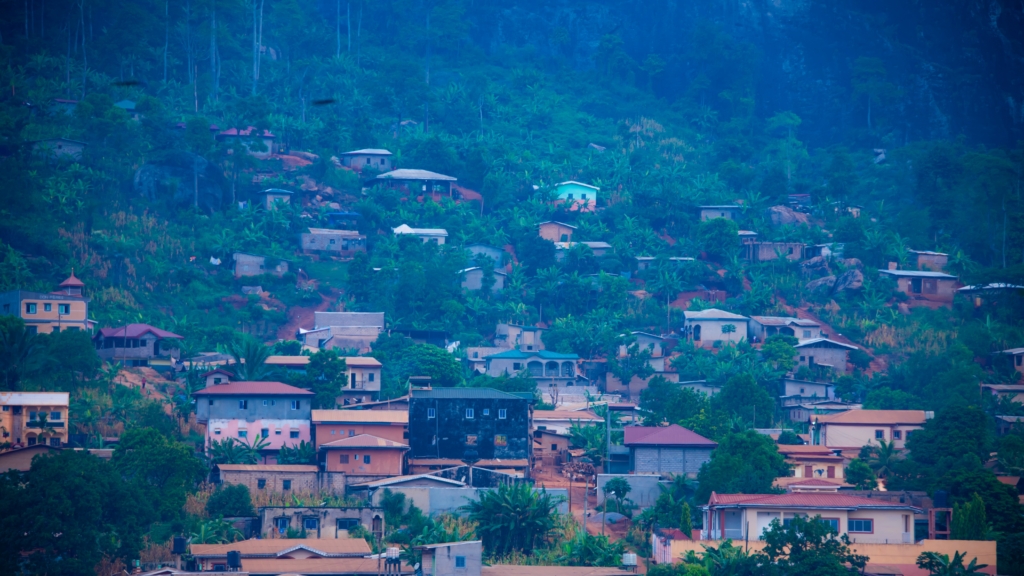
(542, 354)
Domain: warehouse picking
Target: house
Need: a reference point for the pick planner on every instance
(810, 462)
(368, 159)
(562, 421)
(343, 243)
(993, 293)
(727, 211)
(64, 309)
(476, 357)
(1012, 392)
(137, 345)
(452, 558)
(657, 346)
(546, 367)
(792, 391)
(417, 182)
(597, 249)
(550, 448)
(926, 260)
(364, 455)
(31, 418)
(275, 412)
(278, 478)
(865, 520)
(362, 376)
(331, 425)
(58, 148)
(768, 251)
(647, 262)
(344, 330)
(525, 338)
(761, 327)
(435, 235)
(320, 522)
(556, 231)
(211, 557)
(713, 328)
(270, 198)
(577, 196)
(497, 255)
(702, 387)
(936, 286)
(261, 145)
(255, 265)
(1017, 354)
(853, 429)
(825, 353)
(473, 279)
(826, 251)
(807, 410)
(20, 459)
(666, 450)
(469, 423)
(216, 376)
(129, 107)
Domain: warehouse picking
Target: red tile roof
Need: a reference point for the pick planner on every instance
(874, 417)
(252, 388)
(72, 282)
(137, 331)
(364, 442)
(802, 500)
(815, 482)
(674, 435)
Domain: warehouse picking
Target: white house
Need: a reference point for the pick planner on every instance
(435, 235)
(713, 328)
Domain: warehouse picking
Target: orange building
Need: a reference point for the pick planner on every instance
(331, 425)
(365, 455)
(44, 313)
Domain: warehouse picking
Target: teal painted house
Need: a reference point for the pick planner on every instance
(545, 367)
(577, 196)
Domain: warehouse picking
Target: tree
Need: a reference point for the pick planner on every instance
(869, 81)
(325, 375)
(743, 462)
(72, 356)
(954, 431)
(719, 238)
(884, 458)
(228, 451)
(251, 361)
(230, 501)
(969, 520)
(860, 475)
(591, 550)
(22, 353)
(512, 518)
(618, 488)
(744, 398)
(668, 284)
(636, 363)
(809, 546)
(301, 453)
(780, 351)
(789, 438)
(163, 470)
(941, 565)
(443, 368)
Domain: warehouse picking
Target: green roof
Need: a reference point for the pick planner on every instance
(436, 393)
(542, 354)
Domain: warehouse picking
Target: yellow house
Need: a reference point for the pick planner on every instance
(811, 462)
(853, 429)
(30, 418)
(43, 313)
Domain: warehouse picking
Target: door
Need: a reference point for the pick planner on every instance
(733, 524)
(915, 286)
(808, 471)
(830, 472)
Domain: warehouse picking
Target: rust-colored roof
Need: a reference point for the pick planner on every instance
(266, 467)
(479, 464)
(874, 417)
(802, 500)
(360, 417)
(805, 449)
(137, 331)
(365, 442)
(72, 282)
(674, 435)
(312, 566)
(1009, 480)
(272, 548)
(516, 570)
(252, 388)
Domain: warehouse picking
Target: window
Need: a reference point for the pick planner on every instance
(860, 525)
(216, 432)
(54, 416)
(64, 308)
(332, 241)
(243, 433)
(265, 432)
(517, 366)
(460, 561)
(801, 390)
(469, 413)
(281, 524)
(501, 413)
(293, 434)
(32, 416)
(47, 307)
(295, 404)
(807, 333)
(55, 442)
(261, 483)
(347, 523)
(569, 197)
(343, 459)
(30, 308)
(431, 413)
(879, 434)
(277, 432)
(500, 440)
(370, 377)
(286, 484)
(802, 358)
(311, 523)
(366, 459)
(554, 447)
(218, 379)
(897, 435)
(243, 404)
(832, 522)
(583, 196)
(487, 411)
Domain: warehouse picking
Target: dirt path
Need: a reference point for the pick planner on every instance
(301, 317)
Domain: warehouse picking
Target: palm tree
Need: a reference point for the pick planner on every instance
(45, 429)
(251, 361)
(251, 450)
(884, 458)
(301, 453)
(941, 565)
(22, 353)
(228, 451)
(669, 284)
(513, 518)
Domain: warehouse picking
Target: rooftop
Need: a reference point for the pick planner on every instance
(406, 229)
(312, 566)
(298, 468)
(814, 501)
(360, 416)
(252, 389)
(720, 207)
(992, 286)
(517, 570)
(712, 314)
(557, 223)
(409, 478)
(542, 354)
(330, 319)
(414, 174)
(674, 435)
(823, 341)
(568, 182)
(273, 548)
(916, 417)
(365, 442)
(333, 232)
(34, 398)
(564, 415)
(783, 321)
(368, 151)
(137, 331)
(917, 274)
(72, 282)
(469, 393)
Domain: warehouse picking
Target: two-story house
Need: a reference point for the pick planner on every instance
(364, 457)
(548, 368)
(275, 412)
(762, 327)
(137, 345)
(30, 418)
(824, 354)
(63, 309)
(435, 235)
(331, 425)
(666, 450)
(362, 376)
(576, 196)
(812, 462)
(854, 429)
(714, 328)
(448, 426)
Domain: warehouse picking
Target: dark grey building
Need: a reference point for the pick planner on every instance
(481, 423)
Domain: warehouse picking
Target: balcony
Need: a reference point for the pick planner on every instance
(52, 424)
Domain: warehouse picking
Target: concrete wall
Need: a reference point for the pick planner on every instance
(327, 519)
(835, 357)
(300, 481)
(938, 289)
(433, 500)
(378, 162)
(46, 321)
(331, 432)
(644, 491)
(382, 462)
(711, 332)
(279, 432)
(343, 244)
(276, 407)
(669, 460)
(447, 434)
(443, 560)
(851, 436)
(554, 232)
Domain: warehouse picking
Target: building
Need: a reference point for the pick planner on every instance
(260, 144)
(331, 425)
(1012, 392)
(31, 418)
(435, 235)
(658, 346)
(550, 448)
(276, 412)
(647, 262)
(256, 265)
(343, 243)
(20, 459)
(546, 367)
(761, 327)
(217, 376)
(714, 328)
(129, 107)
(320, 522)
(768, 251)
(806, 411)
(525, 338)
(577, 196)
(58, 148)
(556, 231)
(473, 279)
(666, 450)
(853, 429)
(417, 182)
(819, 353)
(345, 330)
(727, 211)
(792, 391)
(701, 387)
(469, 423)
(64, 309)
(497, 255)
(597, 249)
(137, 345)
(376, 159)
(452, 558)
(936, 286)
(562, 421)
(1017, 354)
(934, 261)
(362, 376)
(278, 478)
(364, 456)
(812, 462)
(211, 557)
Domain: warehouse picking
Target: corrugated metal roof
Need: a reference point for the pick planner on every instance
(874, 417)
(365, 442)
(369, 151)
(34, 398)
(406, 229)
(361, 416)
(266, 468)
(137, 331)
(252, 389)
(470, 393)
(802, 501)
(558, 223)
(414, 174)
(348, 319)
(563, 415)
(276, 546)
(674, 435)
(818, 341)
(712, 314)
(313, 566)
(542, 354)
(917, 274)
(783, 321)
(409, 478)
